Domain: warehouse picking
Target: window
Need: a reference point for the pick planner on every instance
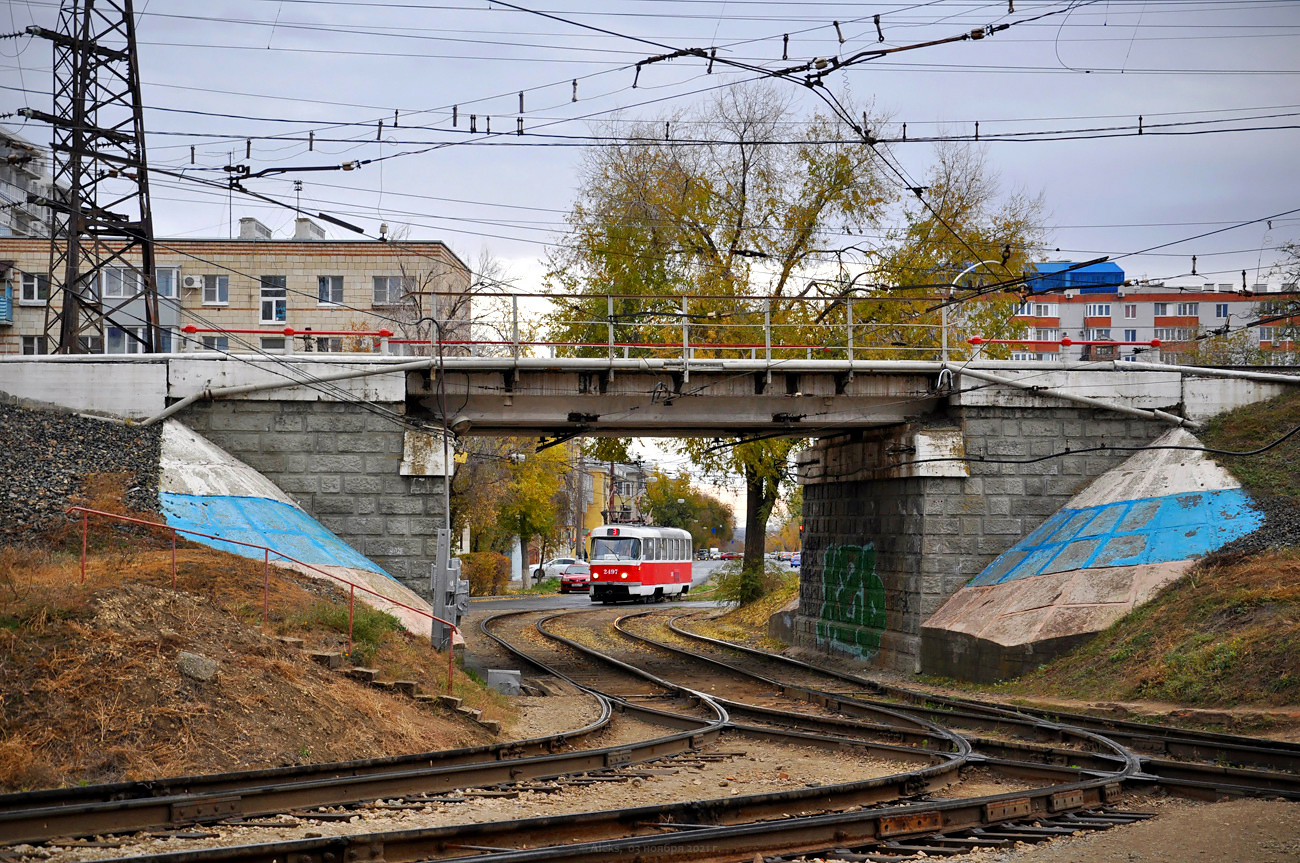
(1189, 310)
(35, 346)
(1221, 310)
(118, 283)
(1130, 335)
(390, 290)
(324, 344)
(1268, 334)
(168, 281)
(216, 290)
(275, 300)
(1161, 309)
(1046, 334)
(615, 548)
(1039, 310)
(329, 290)
(167, 339)
(1130, 311)
(273, 345)
(36, 288)
(1097, 334)
(1098, 310)
(216, 343)
(1174, 334)
(125, 341)
(91, 344)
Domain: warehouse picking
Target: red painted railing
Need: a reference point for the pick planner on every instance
(289, 331)
(353, 587)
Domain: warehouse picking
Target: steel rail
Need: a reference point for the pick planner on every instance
(237, 781)
(119, 816)
(1182, 743)
(1077, 790)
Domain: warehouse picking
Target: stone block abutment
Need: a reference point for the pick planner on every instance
(897, 519)
(342, 462)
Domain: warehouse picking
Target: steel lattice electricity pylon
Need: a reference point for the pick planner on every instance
(101, 236)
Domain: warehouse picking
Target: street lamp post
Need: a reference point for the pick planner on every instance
(943, 310)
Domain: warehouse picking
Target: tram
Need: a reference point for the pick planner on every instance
(639, 563)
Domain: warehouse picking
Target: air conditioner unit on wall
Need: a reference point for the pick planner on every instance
(192, 283)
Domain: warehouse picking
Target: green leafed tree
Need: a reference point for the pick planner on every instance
(717, 227)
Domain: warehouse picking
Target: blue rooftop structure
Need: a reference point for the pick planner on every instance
(1103, 278)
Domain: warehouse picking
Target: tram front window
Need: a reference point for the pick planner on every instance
(615, 548)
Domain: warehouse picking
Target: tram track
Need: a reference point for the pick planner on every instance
(1070, 768)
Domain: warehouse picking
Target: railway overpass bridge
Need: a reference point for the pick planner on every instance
(931, 469)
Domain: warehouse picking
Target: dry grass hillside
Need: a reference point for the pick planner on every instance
(91, 689)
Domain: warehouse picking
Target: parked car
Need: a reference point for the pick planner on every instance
(701, 554)
(553, 567)
(576, 578)
(732, 555)
(795, 559)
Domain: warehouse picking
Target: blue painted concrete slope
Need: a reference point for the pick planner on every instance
(1151, 530)
(261, 521)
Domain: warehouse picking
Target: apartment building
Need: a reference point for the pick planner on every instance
(1095, 304)
(259, 293)
(24, 170)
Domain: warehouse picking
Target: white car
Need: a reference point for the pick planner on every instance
(553, 567)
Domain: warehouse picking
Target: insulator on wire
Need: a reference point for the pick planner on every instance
(575, 90)
(637, 76)
(473, 123)
(379, 132)
(521, 101)
(839, 34)
(191, 154)
(785, 46)
(904, 131)
(880, 34)
(455, 111)
(248, 148)
(488, 118)
(712, 53)
(519, 125)
(311, 141)
(394, 118)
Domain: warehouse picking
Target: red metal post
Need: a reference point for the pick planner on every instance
(173, 560)
(266, 585)
(84, 529)
(352, 601)
(451, 652)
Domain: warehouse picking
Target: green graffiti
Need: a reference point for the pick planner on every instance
(852, 615)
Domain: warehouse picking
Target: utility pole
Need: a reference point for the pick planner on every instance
(99, 207)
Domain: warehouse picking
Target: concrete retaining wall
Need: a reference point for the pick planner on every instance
(341, 463)
(881, 555)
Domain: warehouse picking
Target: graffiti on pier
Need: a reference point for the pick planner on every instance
(852, 616)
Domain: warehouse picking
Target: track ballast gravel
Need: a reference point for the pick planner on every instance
(46, 455)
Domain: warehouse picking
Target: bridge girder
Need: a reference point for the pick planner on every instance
(666, 403)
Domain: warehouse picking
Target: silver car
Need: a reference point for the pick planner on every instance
(553, 567)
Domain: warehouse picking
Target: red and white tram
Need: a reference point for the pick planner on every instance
(639, 563)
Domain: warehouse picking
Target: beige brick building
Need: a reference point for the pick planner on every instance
(242, 294)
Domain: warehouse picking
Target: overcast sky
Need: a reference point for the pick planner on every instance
(217, 73)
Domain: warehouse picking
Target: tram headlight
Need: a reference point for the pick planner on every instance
(622, 575)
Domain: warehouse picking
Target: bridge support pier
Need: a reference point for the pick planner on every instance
(341, 463)
(889, 536)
